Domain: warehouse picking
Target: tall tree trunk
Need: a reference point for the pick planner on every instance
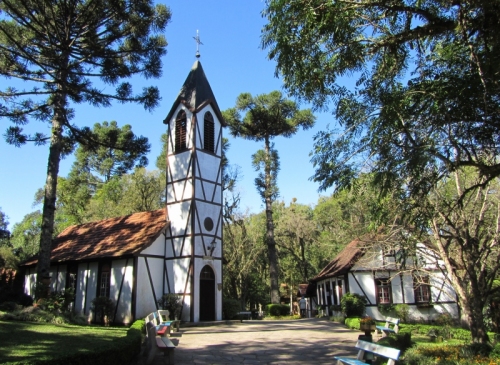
(49, 202)
(271, 243)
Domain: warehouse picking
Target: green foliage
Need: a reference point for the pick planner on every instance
(386, 308)
(58, 301)
(230, 308)
(476, 349)
(96, 345)
(400, 341)
(422, 116)
(26, 235)
(352, 322)
(338, 318)
(104, 41)
(267, 116)
(37, 314)
(278, 310)
(172, 303)
(4, 232)
(444, 355)
(116, 151)
(402, 312)
(103, 307)
(353, 304)
(7, 258)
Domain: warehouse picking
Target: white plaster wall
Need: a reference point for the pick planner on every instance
(207, 191)
(30, 281)
(53, 278)
(180, 268)
(408, 289)
(213, 211)
(205, 240)
(209, 166)
(179, 165)
(177, 243)
(178, 214)
(60, 278)
(156, 248)
(86, 288)
(186, 309)
(122, 269)
(145, 299)
(397, 290)
(81, 279)
(365, 279)
(179, 190)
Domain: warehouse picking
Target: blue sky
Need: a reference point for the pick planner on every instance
(233, 63)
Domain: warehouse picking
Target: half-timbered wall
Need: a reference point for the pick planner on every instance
(121, 286)
(443, 298)
(194, 206)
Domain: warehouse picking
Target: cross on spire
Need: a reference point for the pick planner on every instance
(198, 42)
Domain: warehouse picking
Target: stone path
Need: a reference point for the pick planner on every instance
(304, 341)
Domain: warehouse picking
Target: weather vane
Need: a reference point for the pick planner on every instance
(198, 42)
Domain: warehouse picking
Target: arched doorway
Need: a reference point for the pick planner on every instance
(207, 294)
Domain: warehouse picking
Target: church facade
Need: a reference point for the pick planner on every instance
(136, 259)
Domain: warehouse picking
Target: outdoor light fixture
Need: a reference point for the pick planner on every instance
(211, 247)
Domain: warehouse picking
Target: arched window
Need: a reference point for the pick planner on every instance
(180, 131)
(209, 130)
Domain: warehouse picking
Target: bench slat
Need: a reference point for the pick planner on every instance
(350, 361)
(164, 342)
(384, 351)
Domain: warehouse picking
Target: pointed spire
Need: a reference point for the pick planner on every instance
(195, 93)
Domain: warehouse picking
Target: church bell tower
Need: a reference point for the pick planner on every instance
(193, 245)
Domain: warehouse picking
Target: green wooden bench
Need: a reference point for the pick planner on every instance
(368, 347)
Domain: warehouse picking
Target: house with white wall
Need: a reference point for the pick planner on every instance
(380, 275)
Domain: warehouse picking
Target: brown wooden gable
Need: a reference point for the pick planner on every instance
(113, 237)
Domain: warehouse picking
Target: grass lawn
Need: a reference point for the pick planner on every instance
(30, 340)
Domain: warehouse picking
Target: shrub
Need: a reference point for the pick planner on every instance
(58, 301)
(284, 310)
(400, 341)
(278, 310)
(476, 349)
(103, 307)
(274, 309)
(495, 352)
(230, 308)
(402, 312)
(336, 308)
(338, 318)
(461, 334)
(386, 308)
(353, 305)
(172, 303)
(352, 322)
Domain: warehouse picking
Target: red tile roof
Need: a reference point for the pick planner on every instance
(113, 237)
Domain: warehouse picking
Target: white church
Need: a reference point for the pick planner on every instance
(136, 259)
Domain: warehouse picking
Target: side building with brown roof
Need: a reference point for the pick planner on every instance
(136, 259)
(376, 271)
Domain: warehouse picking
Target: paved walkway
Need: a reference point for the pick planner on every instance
(304, 341)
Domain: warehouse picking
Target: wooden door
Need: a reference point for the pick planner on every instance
(207, 294)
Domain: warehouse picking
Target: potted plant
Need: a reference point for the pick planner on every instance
(367, 324)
